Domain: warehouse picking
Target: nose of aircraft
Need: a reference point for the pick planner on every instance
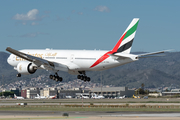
(10, 60)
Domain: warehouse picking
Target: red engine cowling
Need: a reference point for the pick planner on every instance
(26, 68)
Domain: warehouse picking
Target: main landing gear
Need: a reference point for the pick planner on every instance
(83, 77)
(56, 77)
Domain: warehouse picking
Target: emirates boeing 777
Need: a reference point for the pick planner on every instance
(76, 62)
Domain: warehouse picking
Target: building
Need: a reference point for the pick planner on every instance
(175, 90)
(42, 92)
(108, 92)
(16, 91)
(74, 93)
(32, 93)
(172, 93)
(24, 93)
(49, 92)
(155, 94)
(113, 92)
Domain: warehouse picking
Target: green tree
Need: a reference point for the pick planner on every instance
(7, 94)
(141, 91)
(136, 92)
(146, 92)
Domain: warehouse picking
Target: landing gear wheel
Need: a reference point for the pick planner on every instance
(85, 78)
(18, 75)
(88, 79)
(51, 76)
(56, 77)
(60, 79)
(79, 77)
(82, 77)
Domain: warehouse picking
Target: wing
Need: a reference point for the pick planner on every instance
(39, 61)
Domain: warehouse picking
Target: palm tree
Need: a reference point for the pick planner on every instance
(142, 86)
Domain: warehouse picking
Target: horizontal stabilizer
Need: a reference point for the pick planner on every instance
(123, 55)
(146, 55)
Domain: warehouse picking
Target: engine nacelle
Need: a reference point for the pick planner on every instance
(26, 68)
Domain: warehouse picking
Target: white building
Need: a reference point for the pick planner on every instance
(113, 92)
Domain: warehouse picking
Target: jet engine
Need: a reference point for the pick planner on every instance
(26, 68)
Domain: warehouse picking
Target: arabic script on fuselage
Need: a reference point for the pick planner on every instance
(50, 54)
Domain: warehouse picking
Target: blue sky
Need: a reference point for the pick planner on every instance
(82, 24)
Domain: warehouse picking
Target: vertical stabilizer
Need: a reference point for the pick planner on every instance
(125, 42)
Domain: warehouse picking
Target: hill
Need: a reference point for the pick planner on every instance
(153, 72)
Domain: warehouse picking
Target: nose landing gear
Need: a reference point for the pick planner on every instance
(18, 75)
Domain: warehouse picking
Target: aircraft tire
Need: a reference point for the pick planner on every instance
(60, 79)
(50, 76)
(54, 77)
(57, 79)
(82, 77)
(85, 78)
(88, 79)
(18, 75)
(79, 77)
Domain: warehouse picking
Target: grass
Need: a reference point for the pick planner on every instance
(152, 102)
(128, 100)
(115, 108)
(36, 118)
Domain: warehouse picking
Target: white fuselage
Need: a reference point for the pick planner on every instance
(97, 97)
(19, 98)
(40, 97)
(76, 60)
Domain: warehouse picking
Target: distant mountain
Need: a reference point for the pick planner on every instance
(153, 72)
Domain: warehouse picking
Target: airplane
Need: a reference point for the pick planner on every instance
(18, 97)
(84, 97)
(40, 97)
(97, 96)
(122, 97)
(68, 97)
(136, 97)
(52, 97)
(77, 62)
